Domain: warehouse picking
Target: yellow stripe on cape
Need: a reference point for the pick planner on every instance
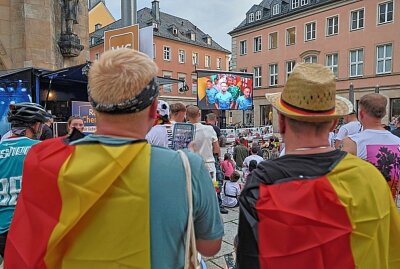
(375, 240)
(105, 216)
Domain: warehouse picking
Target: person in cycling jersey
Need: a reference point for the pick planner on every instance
(26, 125)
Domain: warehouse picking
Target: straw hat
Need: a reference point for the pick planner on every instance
(310, 95)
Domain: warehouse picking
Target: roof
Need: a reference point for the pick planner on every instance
(145, 19)
(286, 10)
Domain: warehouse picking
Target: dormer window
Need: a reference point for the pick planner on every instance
(276, 9)
(97, 26)
(251, 17)
(174, 31)
(304, 2)
(155, 26)
(258, 15)
(92, 40)
(193, 36)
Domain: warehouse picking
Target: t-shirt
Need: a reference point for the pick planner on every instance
(160, 135)
(211, 93)
(302, 203)
(228, 167)
(235, 91)
(232, 189)
(382, 149)
(244, 103)
(12, 155)
(224, 100)
(348, 129)
(204, 137)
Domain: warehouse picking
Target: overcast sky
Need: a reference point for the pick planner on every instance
(214, 17)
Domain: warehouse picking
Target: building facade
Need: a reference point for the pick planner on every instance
(30, 34)
(179, 48)
(358, 39)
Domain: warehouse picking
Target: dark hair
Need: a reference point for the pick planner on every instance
(235, 176)
(254, 150)
(227, 156)
(252, 165)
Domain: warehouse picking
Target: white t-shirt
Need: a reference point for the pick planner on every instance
(373, 138)
(232, 189)
(160, 135)
(204, 137)
(348, 129)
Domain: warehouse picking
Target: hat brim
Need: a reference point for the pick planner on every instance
(343, 107)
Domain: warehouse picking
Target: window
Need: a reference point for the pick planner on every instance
(276, 9)
(175, 31)
(311, 59)
(219, 63)
(257, 44)
(273, 74)
(295, 4)
(304, 2)
(195, 58)
(357, 19)
(251, 17)
(167, 87)
(167, 53)
(243, 47)
(264, 115)
(181, 76)
(332, 26)
(385, 12)
(154, 50)
(291, 36)
(384, 59)
(310, 31)
(257, 77)
(209, 41)
(207, 63)
(194, 83)
(181, 56)
(92, 41)
(97, 26)
(332, 63)
(193, 36)
(273, 40)
(356, 62)
(289, 68)
(258, 15)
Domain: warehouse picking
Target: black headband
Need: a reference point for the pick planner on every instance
(133, 105)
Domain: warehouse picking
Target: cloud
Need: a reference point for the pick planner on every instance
(213, 17)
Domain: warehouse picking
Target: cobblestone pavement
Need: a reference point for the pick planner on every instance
(231, 221)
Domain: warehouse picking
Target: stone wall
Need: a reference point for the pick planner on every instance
(29, 34)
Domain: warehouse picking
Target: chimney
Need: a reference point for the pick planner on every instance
(128, 12)
(155, 10)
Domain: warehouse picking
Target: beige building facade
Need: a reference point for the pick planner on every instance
(359, 40)
(30, 32)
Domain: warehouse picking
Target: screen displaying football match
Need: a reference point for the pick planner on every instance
(224, 90)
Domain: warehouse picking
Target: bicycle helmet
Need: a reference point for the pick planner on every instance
(26, 113)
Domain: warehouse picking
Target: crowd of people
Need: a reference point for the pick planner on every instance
(124, 197)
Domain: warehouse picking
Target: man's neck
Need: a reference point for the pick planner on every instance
(373, 124)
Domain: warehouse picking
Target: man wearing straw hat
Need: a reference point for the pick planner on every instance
(316, 207)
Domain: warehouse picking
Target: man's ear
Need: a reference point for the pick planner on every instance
(334, 124)
(153, 109)
(282, 123)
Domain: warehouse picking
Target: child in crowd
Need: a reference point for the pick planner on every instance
(231, 191)
(252, 166)
(228, 166)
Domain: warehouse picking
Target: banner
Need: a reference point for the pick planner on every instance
(254, 133)
(86, 112)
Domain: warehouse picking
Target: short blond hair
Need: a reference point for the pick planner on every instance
(192, 112)
(120, 75)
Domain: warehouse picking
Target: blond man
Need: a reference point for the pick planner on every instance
(112, 199)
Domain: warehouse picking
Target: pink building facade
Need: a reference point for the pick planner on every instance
(359, 40)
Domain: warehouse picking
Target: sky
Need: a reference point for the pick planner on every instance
(213, 17)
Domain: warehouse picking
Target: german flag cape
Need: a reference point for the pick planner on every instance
(83, 206)
(345, 219)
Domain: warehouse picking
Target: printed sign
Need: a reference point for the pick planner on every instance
(126, 37)
(86, 112)
(183, 134)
